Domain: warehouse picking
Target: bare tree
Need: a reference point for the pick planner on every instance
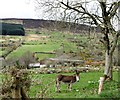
(97, 12)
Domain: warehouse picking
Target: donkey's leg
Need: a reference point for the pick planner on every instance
(58, 86)
(70, 86)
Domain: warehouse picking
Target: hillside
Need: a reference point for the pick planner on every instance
(52, 25)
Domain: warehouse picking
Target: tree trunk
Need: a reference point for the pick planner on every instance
(16, 90)
(23, 94)
(16, 94)
(108, 64)
(110, 73)
(118, 55)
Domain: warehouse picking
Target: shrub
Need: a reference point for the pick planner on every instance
(9, 83)
(27, 58)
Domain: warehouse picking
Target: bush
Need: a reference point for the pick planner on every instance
(9, 83)
(27, 58)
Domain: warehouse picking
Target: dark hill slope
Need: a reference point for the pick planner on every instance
(52, 24)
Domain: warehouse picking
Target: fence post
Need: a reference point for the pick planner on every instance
(101, 84)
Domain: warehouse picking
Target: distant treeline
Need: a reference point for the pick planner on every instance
(11, 29)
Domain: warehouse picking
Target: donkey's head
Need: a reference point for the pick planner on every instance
(77, 75)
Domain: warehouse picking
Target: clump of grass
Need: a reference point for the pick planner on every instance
(110, 90)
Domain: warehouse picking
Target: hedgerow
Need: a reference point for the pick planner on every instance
(12, 29)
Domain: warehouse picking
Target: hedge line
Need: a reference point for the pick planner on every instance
(11, 29)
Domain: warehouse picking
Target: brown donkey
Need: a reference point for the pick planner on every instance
(67, 79)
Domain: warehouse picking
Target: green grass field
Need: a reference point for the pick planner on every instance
(44, 85)
(32, 48)
(54, 42)
(87, 87)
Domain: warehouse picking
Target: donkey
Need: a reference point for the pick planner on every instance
(67, 79)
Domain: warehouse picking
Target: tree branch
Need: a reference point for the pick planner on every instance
(103, 8)
(114, 9)
(109, 10)
(84, 12)
(98, 17)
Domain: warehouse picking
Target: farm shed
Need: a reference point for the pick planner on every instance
(11, 29)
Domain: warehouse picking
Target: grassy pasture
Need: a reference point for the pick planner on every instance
(87, 87)
(45, 43)
(43, 86)
(32, 48)
(8, 42)
(56, 41)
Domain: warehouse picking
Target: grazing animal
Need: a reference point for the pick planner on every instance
(67, 79)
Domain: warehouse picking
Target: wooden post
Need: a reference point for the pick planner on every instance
(101, 84)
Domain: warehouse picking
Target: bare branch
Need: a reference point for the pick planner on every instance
(84, 12)
(98, 18)
(104, 12)
(115, 7)
(111, 7)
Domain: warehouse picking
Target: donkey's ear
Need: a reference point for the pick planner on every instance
(76, 70)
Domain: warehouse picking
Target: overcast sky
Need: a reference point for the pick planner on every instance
(20, 9)
(17, 9)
